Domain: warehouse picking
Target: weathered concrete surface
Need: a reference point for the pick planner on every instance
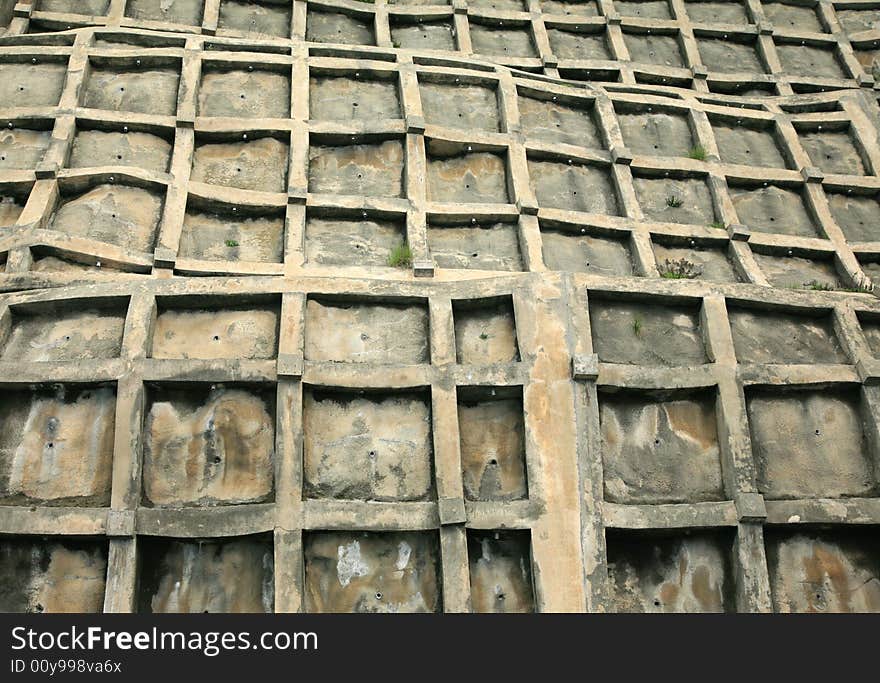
(487, 247)
(485, 332)
(805, 60)
(187, 12)
(837, 570)
(372, 572)
(478, 177)
(858, 217)
(335, 27)
(21, 148)
(353, 332)
(654, 49)
(57, 447)
(47, 576)
(773, 209)
(347, 99)
(747, 146)
(500, 572)
(774, 337)
(85, 7)
(244, 94)
(660, 449)
(226, 237)
(574, 187)
(233, 575)
(32, 85)
(656, 134)
(809, 443)
(639, 334)
(709, 264)
(92, 148)
(833, 152)
(424, 35)
(548, 120)
(249, 165)
(374, 170)
(145, 91)
(727, 56)
(691, 573)
(674, 200)
(351, 242)
(115, 214)
(367, 448)
(58, 335)
(578, 45)
(586, 253)
(227, 333)
(492, 435)
(797, 272)
(208, 447)
(259, 19)
(501, 42)
(469, 107)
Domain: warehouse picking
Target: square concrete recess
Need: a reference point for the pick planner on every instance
(833, 151)
(505, 43)
(576, 251)
(259, 164)
(656, 133)
(696, 262)
(64, 333)
(727, 12)
(573, 187)
(23, 148)
(646, 9)
(375, 446)
(459, 176)
(491, 246)
(340, 98)
(730, 56)
(95, 8)
(246, 332)
(579, 45)
(56, 445)
(858, 19)
(43, 575)
(793, 17)
(775, 337)
(748, 145)
(32, 85)
(422, 35)
(655, 49)
(798, 272)
(360, 331)
(585, 8)
(871, 328)
(95, 148)
(225, 233)
(343, 241)
(836, 569)
(809, 443)
(571, 123)
(671, 572)
(809, 61)
(500, 564)
(244, 93)
(857, 216)
(187, 12)
(116, 214)
(492, 439)
(262, 18)
(660, 447)
(201, 575)
(647, 333)
(675, 200)
(335, 27)
(370, 169)
(485, 331)
(469, 107)
(208, 445)
(773, 209)
(118, 87)
(362, 571)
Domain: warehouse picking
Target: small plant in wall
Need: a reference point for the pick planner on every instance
(698, 152)
(484, 336)
(680, 269)
(401, 256)
(673, 202)
(637, 326)
(817, 286)
(231, 243)
(717, 225)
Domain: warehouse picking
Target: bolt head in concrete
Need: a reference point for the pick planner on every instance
(163, 257)
(765, 28)
(459, 7)
(739, 232)
(621, 155)
(869, 371)
(585, 366)
(699, 71)
(452, 511)
(415, 124)
(750, 507)
(423, 268)
(22, 10)
(527, 206)
(812, 174)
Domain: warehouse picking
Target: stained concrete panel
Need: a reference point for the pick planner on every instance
(146, 91)
(705, 263)
(555, 122)
(259, 18)
(656, 134)
(797, 272)
(227, 236)
(675, 200)
(774, 337)
(748, 146)
(833, 152)
(94, 148)
(586, 253)
(468, 107)
(485, 331)
(858, 217)
(477, 177)
(373, 170)
(22, 148)
(65, 335)
(351, 242)
(728, 12)
(773, 209)
(500, 565)
(234, 332)
(244, 94)
(809, 61)
(32, 85)
(352, 99)
(727, 56)
(424, 35)
(493, 246)
(655, 49)
(336, 27)
(504, 43)
(259, 165)
(573, 187)
(577, 45)
(188, 12)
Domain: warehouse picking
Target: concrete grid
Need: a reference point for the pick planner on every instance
(580, 525)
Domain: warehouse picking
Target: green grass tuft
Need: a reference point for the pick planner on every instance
(673, 202)
(231, 243)
(698, 152)
(401, 256)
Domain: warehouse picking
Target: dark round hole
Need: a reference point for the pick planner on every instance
(119, 156)
(474, 255)
(51, 444)
(378, 596)
(216, 337)
(39, 607)
(656, 603)
(656, 442)
(493, 461)
(372, 454)
(817, 432)
(217, 460)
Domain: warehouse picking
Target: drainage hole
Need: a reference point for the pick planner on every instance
(493, 461)
(216, 337)
(378, 596)
(51, 444)
(656, 442)
(217, 460)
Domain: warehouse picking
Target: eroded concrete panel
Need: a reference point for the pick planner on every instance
(578, 45)
(665, 573)
(358, 332)
(371, 447)
(477, 177)
(467, 107)
(22, 148)
(223, 236)
(660, 449)
(92, 148)
(48, 576)
(774, 337)
(32, 85)
(336, 27)
(809, 443)
(55, 335)
(56, 447)
(244, 94)
(547, 120)
(675, 200)
(372, 572)
(187, 12)
(797, 272)
(248, 165)
(146, 91)
(347, 99)
(230, 575)
(833, 152)
(586, 253)
(656, 134)
(485, 247)
(208, 446)
(573, 187)
(773, 209)
(351, 242)
(729, 56)
(501, 572)
(703, 263)
(485, 331)
(424, 35)
(260, 18)
(858, 217)
(374, 170)
(747, 146)
(229, 333)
